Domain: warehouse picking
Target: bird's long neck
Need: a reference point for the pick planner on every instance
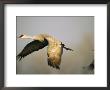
(51, 40)
(27, 37)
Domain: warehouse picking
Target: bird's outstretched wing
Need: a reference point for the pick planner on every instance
(54, 56)
(31, 47)
(53, 64)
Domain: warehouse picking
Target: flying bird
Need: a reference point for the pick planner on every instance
(54, 48)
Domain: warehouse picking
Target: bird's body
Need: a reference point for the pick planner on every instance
(54, 49)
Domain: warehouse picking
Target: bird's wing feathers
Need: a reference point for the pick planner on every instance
(31, 47)
(54, 56)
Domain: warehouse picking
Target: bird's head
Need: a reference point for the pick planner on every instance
(23, 36)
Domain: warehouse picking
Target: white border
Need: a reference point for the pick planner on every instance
(96, 80)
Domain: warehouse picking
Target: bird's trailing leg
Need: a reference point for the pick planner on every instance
(66, 47)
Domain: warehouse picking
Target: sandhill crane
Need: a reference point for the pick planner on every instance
(54, 49)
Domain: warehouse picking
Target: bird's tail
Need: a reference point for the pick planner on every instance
(66, 47)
